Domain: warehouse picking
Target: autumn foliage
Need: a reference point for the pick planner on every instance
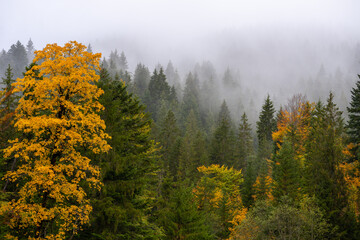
(58, 116)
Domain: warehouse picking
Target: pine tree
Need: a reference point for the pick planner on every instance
(10, 103)
(158, 90)
(183, 219)
(223, 144)
(193, 152)
(353, 125)
(89, 48)
(169, 140)
(123, 64)
(120, 212)
(141, 80)
(30, 49)
(324, 179)
(265, 126)
(266, 123)
(18, 58)
(286, 173)
(245, 143)
(190, 98)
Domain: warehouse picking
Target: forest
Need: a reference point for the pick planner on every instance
(93, 150)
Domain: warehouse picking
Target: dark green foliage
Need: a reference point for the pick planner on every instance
(10, 103)
(158, 90)
(120, 212)
(245, 142)
(353, 126)
(266, 124)
(193, 150)
(183, 219)
(223, 144)
(247, 188)
(286, 173)
(191, 97)
(324, 179)
(170, 141)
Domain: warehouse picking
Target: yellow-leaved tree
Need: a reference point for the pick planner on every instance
(58, 116)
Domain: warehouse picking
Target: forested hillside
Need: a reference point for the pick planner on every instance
(91, 149)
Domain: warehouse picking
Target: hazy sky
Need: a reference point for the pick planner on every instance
(159, 29)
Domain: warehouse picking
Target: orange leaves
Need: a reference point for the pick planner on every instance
(59, 110)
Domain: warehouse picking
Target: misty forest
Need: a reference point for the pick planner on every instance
(259, 141)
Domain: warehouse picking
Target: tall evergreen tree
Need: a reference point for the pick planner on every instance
(120, 211)
(169, 140)
(266, 123)
(18, 58)
(123, 64)
(10, 102)
(324, 179)
(183, 218)
(193, 153)
(245, 142)
(223, 144)
(158, 89)
(265, 126)
(190, 98)
(141, 80)
(353, 125)
(30, 49)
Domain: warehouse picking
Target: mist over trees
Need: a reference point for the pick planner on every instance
(207, 151)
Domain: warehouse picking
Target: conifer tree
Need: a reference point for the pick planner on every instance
(30, 49)
(324, 179)
(245, 143)
(183, 218)
(265, 126)
(10, 102)
(223, 144)
(266, 123)
(169, 140)
(18, 58)
(120, 212)
(123, 64)
(141, 80)
(286, 173)
(190, 98)
(193, 153)
(159, 90)
(353, 125)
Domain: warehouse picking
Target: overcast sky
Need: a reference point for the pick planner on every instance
(164, 28)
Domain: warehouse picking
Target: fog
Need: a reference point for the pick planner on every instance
(278, 48)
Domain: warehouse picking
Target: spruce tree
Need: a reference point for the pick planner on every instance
(266, 123)
(286, 173)
(223, 144)
(141, 80)
(245, 143)
(265, 126)
(18, 58)
(193, 151)
(183, 218)
(353, 125)
(324, 179)
(121, 210)
(30, 49)
(158, 89)
(10, 102)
